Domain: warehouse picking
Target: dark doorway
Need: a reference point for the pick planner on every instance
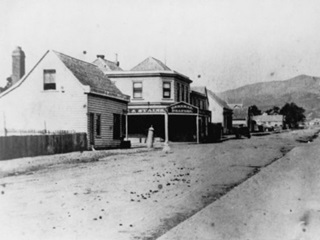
(138, 126)
(91, 128)
(182, 128)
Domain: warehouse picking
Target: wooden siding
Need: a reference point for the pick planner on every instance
(29, 107)
(186, 91)
(29, 146)
(217, 115)
(106, 107)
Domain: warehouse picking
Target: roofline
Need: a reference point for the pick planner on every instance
(109, 96)
(24, 77)
(133, 74)
(74, 58)
(214, 96)
(199, 93)
(103, 61)
(94, 90)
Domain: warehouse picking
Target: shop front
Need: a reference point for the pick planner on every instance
(179, 122)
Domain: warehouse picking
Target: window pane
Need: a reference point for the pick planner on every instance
(137, 89)
(116, 126)
(137, 85)
(98, 125)
(49, 76)
(166, 85)
(166, 89)
(137, 94)
(49, 79)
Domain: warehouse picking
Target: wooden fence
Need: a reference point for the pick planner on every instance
(29, 146)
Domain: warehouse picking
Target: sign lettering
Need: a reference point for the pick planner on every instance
(146, 110)
(182, 108)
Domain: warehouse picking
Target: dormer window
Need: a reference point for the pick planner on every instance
(166, 89)
(49, 79)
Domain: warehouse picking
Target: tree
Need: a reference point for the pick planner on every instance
(293, 114)
(273, 111)
(254, 110)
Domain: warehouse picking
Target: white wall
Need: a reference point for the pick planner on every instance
(152, 88)
(29, 107)
(216, 111)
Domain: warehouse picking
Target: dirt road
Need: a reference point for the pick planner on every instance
(133, 196)
(279, 203)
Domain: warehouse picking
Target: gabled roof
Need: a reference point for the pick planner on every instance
(235, 105)
(199, 89)
(106, 65)
(240, 113)
(150, 67)
(218, 100)
(151, 64)
(90, 75)
(18, 83)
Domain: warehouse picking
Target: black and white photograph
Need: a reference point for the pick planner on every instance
(159, 119)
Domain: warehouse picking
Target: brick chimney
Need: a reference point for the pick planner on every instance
(18, 65)
(116, 60)
(100, 56)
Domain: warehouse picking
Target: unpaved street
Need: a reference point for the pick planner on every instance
(133, 196)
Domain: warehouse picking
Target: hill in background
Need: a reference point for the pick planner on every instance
(303, 90)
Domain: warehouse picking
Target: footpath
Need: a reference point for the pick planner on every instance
(282, 202)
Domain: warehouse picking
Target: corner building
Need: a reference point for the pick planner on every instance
(161, 98)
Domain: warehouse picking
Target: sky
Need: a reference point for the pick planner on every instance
(221, 44)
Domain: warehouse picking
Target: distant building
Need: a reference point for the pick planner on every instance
(240, 115)
(220, 112)
(62, 93)
(106, 65)
(199, 98)
(269, 120)
(314, 122)
(161, 98)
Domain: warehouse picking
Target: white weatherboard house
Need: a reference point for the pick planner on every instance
(62, 93)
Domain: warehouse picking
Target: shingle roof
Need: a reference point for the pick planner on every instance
(107, 65)
(90, 75)
(151, 64)
(218, 100)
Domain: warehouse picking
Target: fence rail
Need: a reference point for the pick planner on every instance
(29, 146)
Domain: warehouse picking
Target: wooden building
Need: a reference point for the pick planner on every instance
(64, 94)
(269, 121)
(220, 112)
(240, 117)
(161, 98)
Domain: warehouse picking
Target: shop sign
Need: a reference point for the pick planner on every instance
(145, 110)
(182, 108)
